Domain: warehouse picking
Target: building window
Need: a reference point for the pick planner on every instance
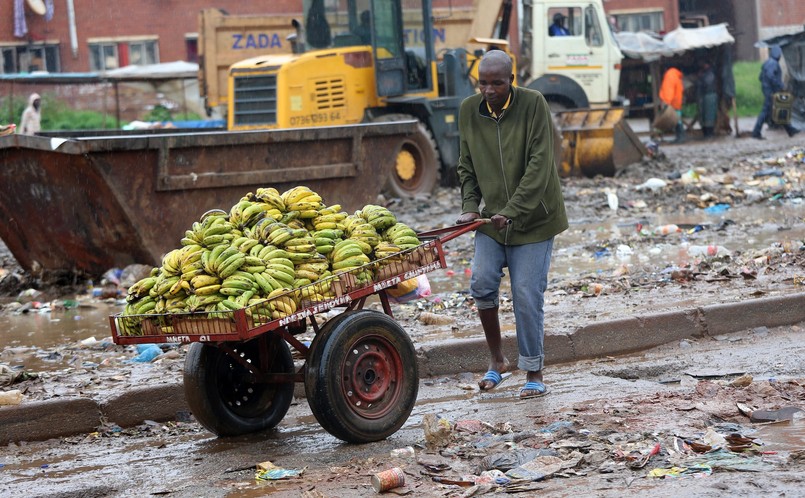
(29, 58)
(641, 21)
(113, 54)
(191, 47)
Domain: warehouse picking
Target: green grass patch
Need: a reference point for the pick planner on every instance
(58, 115)
(749, 96)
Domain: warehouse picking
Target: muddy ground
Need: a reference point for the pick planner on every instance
(743, 195)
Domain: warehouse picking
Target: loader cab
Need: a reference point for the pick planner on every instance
(399, 32)
(575, 62)
(334, 77)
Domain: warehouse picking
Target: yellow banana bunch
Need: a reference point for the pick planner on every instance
(281, 303)
(330, 217)
(303, 200)
(272, 197)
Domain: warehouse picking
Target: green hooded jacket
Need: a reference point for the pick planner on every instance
(508, 165)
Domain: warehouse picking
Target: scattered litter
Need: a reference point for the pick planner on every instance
(692, 471)
(437, 430)
(267, 471)
(717, 208)
(785, 413)
(653, 184)
(407, 452)
(147, 353)
(13, 397)
(388, 479)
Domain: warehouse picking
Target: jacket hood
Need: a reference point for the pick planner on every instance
(34, 96)
(776, 52)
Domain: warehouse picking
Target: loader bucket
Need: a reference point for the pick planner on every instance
(597, 142)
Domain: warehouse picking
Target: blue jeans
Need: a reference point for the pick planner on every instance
(528, 271)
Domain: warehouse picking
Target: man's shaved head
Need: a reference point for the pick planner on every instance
(497, 59)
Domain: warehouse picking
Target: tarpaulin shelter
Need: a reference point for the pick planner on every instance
(649, 54)
(155, 74)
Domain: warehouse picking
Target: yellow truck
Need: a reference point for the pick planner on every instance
(358, 61)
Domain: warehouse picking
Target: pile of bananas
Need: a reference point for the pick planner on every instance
(269, 253)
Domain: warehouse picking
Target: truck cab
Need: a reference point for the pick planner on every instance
(570, 54)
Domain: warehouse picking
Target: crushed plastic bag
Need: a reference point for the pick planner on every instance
(409, 290)
(267, 471)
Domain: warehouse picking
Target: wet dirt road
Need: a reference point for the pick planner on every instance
(594, 434)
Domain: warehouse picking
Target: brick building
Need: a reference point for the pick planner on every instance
(103, 34)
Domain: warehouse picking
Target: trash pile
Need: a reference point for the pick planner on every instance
(464, 458)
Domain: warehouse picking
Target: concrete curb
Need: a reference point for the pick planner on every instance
(41, 420)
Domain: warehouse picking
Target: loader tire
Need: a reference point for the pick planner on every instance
(417, 169)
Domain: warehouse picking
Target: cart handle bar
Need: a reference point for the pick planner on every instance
(456, 230)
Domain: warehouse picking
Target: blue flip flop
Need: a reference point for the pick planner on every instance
(536, 390)
(495, 378)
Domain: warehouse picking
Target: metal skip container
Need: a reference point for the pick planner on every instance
(597, 142)
(89, 204)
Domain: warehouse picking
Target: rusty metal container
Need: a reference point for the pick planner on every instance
(597, 142)
(88, 204)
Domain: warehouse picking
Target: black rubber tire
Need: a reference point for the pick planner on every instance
(224, 399)
(422, 148)
(361, 376)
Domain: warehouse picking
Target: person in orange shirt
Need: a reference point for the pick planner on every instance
(672, 90)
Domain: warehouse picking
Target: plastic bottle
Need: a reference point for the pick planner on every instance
(407, 452)
(666, 229)
(708, 251)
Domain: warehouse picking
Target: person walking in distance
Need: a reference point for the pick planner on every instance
(30, 123)
(506, 164)
(771, 81)
(672, 93)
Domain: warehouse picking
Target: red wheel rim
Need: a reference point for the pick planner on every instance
(371, 377)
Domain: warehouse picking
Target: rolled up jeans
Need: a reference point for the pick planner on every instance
(528, 272)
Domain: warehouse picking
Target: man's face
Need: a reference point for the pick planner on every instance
(494, 82)
(36, 104)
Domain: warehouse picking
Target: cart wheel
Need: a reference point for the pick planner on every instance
(223, 395)
(361, 377)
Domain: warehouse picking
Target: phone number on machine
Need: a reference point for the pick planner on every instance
(315, 118)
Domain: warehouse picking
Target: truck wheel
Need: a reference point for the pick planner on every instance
(361, 377)
(224, 396)
(417, 168)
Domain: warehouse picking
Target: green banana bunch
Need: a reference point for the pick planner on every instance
(402, 236)
(377, 216)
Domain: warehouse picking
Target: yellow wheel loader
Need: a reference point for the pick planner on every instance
(358, 61)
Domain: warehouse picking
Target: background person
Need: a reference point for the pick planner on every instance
(672, 91)
(558, 26)
(506, 164)
(30, 123)
(771, 81)
(364, 29)
(707, 99)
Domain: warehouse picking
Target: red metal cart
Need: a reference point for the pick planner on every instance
(360, 371)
